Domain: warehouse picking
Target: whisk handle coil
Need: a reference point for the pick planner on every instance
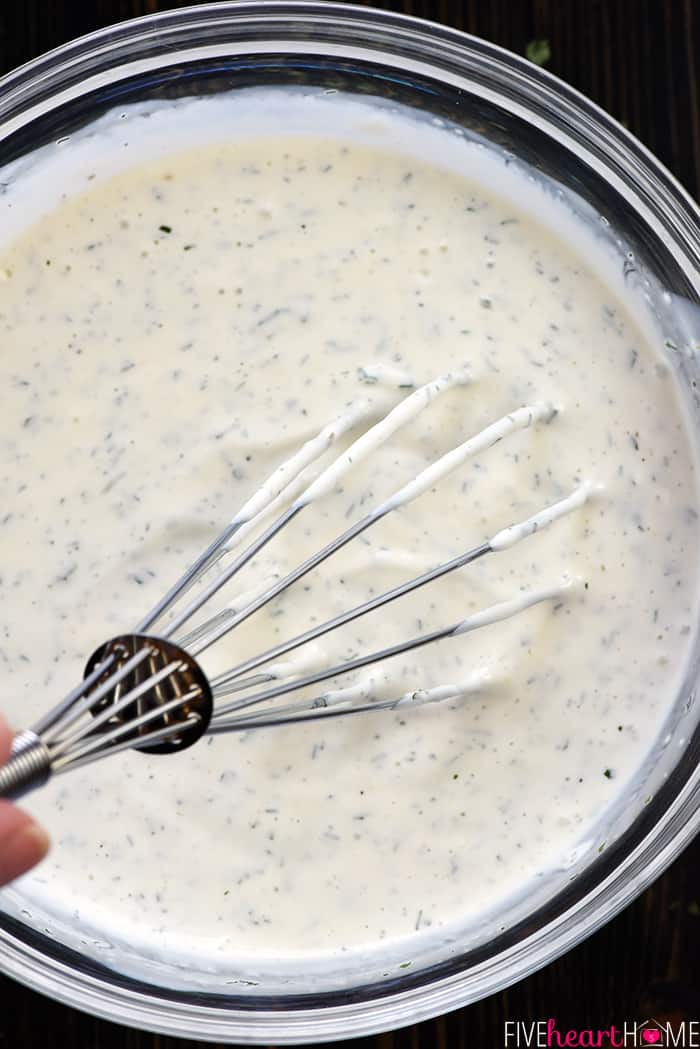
(29, 767)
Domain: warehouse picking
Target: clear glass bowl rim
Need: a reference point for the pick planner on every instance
(618, 157)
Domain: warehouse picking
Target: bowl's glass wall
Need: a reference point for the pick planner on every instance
(653, 228)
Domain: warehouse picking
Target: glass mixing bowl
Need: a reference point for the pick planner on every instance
(654, 229)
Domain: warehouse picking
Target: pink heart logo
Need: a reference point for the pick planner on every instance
(651, 1037)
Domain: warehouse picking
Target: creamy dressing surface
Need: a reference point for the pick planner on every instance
(171, 335)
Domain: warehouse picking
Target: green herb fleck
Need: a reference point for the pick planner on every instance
(608, 773)
(455, 775)
(165, 229)
(538, 52)
(405, 965)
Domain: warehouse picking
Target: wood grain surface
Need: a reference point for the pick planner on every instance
(640, 60)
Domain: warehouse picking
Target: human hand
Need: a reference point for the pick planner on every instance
(22, 841)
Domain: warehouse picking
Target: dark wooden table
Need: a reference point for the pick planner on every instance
(640, 60)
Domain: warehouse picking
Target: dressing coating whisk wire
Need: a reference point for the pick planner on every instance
(149, 692)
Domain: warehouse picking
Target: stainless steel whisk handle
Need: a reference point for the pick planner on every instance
(28, 767)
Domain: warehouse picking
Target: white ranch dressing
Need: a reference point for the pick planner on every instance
(176, 335)
(386, 375)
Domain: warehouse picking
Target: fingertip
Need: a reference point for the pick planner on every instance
(23, 843)
(5, 740)
(32, 847)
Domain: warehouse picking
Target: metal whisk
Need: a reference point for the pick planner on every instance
(149, 692)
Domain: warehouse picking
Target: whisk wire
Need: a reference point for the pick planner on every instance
(130, 729)
(123, 703)
(90, 699)
(323, 709)
(69, 762)
(53, 716)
